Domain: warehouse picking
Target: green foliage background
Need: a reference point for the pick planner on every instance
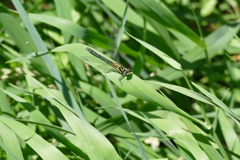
(57, 101)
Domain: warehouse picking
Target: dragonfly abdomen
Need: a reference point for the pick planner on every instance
(99, 56)
(118, 67)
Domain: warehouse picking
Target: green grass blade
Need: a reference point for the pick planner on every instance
(5, 105)
(39, 118)
(230, 135)
(158, 11)
(10, 143)
(182, 90)
(162, 55)
(17, 33)
(215, 42)
(51, 67)
(219, 103)
(129, 84)
(186, 134)
(114, 127)
(94, 144)
(44, 149)
(125, 117)
(121, 30)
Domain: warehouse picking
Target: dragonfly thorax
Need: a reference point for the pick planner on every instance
(122, 70)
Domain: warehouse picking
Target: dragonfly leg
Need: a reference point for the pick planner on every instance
(120, 78)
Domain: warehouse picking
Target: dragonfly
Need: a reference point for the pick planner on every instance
(117, 66)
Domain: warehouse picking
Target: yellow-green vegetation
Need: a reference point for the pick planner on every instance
(173, 94)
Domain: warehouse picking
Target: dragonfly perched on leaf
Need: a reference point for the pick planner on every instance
(117, 66)
(113, 43)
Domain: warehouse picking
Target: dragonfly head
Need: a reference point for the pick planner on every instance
(127, 72)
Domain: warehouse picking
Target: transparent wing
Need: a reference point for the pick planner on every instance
(116, 67)
(99, 63)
